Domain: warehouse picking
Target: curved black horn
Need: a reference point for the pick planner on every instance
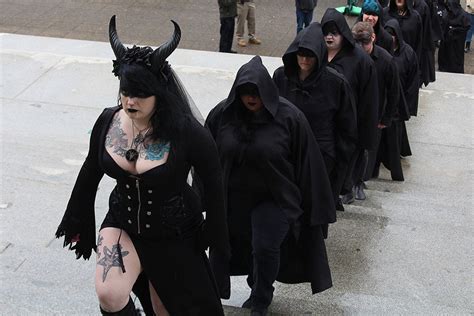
(117, 46)
(165, 49)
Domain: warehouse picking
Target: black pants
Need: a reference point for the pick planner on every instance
(227, 34)
(356, 171)
(269, 229)
(257, 229)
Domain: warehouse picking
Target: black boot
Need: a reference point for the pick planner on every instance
(467, 47)
(359, 192)
(128, 310)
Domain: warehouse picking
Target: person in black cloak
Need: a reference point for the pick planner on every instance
(410, 23)
(153, 237)
(359, 69)
(455, 26)
(324, 96)
(394, 141)
(372, 12)
(436, 30)
(427, 62)
(388, 83)
(279, 200)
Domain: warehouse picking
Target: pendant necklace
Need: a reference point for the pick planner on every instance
(133, 153)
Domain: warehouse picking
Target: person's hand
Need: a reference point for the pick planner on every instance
(381, 126)
(76, 238)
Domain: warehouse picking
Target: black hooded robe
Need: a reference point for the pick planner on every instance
(325, 97)
(359, 69)
(436, 30)
(389, 99)
(411, 26)
(427, 62)
(395, 139)
(288, 164)
(455, 26)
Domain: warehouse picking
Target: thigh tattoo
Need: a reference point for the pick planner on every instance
(111, 258)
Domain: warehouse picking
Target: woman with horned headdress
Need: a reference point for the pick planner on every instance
(153, 238)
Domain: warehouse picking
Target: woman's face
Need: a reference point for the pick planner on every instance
(306, 63)
(400, 4)
(371, 18)
(253, 103)
(138, 107)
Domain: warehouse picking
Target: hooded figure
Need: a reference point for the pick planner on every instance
(394, 142)
(324, 96)
(427, 62)
(410, 24)
(388, 82)
(359, 69)
(278, 192)
(436, 30)
(455, 25)
(372, 12)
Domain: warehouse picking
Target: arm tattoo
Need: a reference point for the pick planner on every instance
(111, 259)
(116, 138)
(156, 151)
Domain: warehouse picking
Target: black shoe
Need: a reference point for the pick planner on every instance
(247, 303)
(259, 312)
(347, 198)
(339, 206)
(232, 52)
(359, 192)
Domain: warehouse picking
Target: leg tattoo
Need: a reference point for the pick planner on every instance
(111, 259)
(99, 243)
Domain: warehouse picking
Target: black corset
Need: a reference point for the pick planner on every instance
(143, 212)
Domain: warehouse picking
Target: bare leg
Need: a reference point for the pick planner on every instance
(158, 307)
(113, 286)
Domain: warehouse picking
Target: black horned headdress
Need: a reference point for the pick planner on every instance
(154, 60)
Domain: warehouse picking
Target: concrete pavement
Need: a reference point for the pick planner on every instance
(407, 249)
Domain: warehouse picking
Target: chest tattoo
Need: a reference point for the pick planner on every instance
(155, 151)
(116, 138)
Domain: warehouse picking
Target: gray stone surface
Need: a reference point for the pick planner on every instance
(407, 249)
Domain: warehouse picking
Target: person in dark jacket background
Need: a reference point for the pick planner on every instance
(394, 141)
(279, 200)
(410, 24)
(427, 61)
(455, 25)
(304, 13)
(324, 96)
(359, 69)
(372, 12)
(227, 12)
(388, 82)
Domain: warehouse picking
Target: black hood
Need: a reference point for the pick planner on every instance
(453, 6)
(311, 38)
(393, 5)
(393, 24)
(255, 72)
(332, 15)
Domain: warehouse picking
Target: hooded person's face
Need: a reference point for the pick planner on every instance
(401, 4)
(372, 18)
(333, 39)
(250, 97)
(306, 60)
